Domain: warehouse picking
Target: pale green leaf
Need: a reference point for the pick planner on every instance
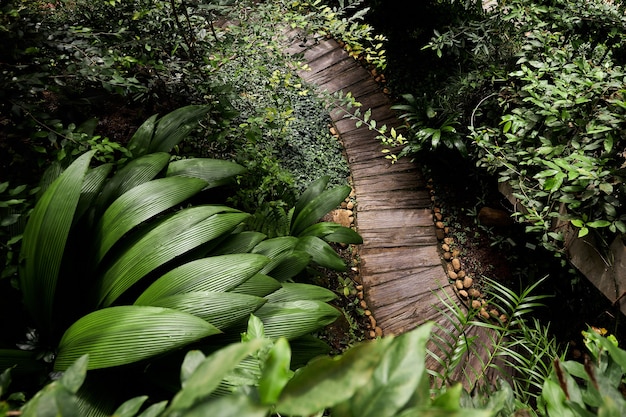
(140, 204)
(259, 285)
(215, 172)
(221, 309)
(293, 291)
(130, 408)
(121, 335)
(210, 373)
(293, 319)
(170, 238)
(217, 274)
(397, 376)
(136, 172)
(332, 232)
(276, 372)
(326, 381)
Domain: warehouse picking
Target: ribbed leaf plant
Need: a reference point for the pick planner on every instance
(130, 264)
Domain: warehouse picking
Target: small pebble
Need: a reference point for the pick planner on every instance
(474, 293)
(459, 284)
(452, 275)
(463, 293)
(476, 304)
(456, 264)
(483, 313)
(467, 282)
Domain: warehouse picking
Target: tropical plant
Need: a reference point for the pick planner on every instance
(512, 350)
(386, 377)
(137, 264)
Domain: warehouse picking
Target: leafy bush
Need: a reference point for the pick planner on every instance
(144, 262)
(538, 101)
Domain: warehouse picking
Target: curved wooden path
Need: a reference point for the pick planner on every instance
(401, 270)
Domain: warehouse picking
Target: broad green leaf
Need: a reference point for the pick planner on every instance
(397, 376)
(210, 373)
(217, 273)
(276, 372)
(239, 243)
(93, 183)
(326, 381)
(74, 376)
(130, 407)
(287, 265)
(292, 291)
(136, 172)
(221, 309)
(175, 126)
(140, 204)
(316, 188)
(332, 232)
(434, 412)
(139, 143)
(45, 237)
(192, 360)
(318, 207)
(154, 410)
(172, 237)
(293, 319)
(121, 335)
(22, 361)
(321, 253)
(259, 285)
(215, 172)
(237, 405)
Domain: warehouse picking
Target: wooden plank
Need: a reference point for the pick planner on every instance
(397, 236)
(331, 61)
(332, 83)
(384, 168)
(390, 181)
(388, 199)
(321, 72)
(384, 219)
(379, 260)
(417, 287)
(382, 116)
(370, 101)
(429, 273)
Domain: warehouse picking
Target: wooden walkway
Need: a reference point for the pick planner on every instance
(401, 270)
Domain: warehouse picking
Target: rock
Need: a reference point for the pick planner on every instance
(456, 252)
(379, 332)
(373, 322)
(438, 217)
(359, 295)
(483, 313)
(503, 318)
(488, 216)
(461, 274)
(459, 284)
(448, 241)
(358, 287)
(340, 216)
(440, 234)
(445, 247)
(476, 304)
(363, 304)
(456, 264)
(467, 282)
(447, 256)
(463, 293)
(494, 313)
(350, 205)
(372, 334)
(439, 225)
(473, 293)
(452, 275)
(367, 313)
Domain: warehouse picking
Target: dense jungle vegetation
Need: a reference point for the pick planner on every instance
(164, 173)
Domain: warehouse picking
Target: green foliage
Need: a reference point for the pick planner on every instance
(385, 377)
(165, 268)
(537, 99)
